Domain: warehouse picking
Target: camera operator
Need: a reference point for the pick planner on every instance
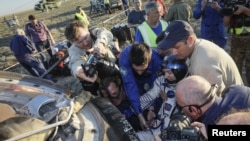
(84, 43)
(239, 27)
(197, 99)
(212, 27)
(181, 128)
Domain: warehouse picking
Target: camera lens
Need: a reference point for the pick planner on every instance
(173, 135)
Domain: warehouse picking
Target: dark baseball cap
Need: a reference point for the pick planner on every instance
(175, 32)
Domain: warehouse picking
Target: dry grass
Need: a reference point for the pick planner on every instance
(58, 18)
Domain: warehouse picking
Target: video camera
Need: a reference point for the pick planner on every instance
(96, 63)
(90, 66)
(179, 129)
(230, 8)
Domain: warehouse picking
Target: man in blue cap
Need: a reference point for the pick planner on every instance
(205, 58)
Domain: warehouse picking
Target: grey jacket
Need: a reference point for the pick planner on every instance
(79, 56)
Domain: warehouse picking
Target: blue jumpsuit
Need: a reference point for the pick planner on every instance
(212, 27)
(135, 85)
(22, 48)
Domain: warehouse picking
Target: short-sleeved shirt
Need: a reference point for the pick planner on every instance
(37, 32)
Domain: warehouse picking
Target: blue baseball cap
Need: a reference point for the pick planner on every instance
(175, 32)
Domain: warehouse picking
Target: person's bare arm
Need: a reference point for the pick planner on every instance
(104, 37)
(51, 38)
(242, 10)
(226, 20)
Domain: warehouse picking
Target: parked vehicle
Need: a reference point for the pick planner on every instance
(45, 5)
(116, 4)
(97, 6)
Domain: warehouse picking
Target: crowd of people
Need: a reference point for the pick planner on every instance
(167, 69)
(32, 47)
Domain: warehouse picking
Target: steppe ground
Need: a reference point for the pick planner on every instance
(56, 20)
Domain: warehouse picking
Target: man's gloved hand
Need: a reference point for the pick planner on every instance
(143, 122)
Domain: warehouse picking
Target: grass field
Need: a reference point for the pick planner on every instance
(57, 19)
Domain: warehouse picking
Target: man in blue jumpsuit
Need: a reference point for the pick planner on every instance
(24, 50)
(139, 65)
(212, 27)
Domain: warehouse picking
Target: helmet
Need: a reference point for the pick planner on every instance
(177, 66)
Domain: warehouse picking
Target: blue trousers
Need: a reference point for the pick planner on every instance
(40, 46)
(33, 65)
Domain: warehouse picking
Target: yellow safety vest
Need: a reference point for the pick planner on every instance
(240, 30)
(148, 35)
(82, 18)
(106, 1)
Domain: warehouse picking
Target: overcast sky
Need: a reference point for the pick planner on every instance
(8, 7)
